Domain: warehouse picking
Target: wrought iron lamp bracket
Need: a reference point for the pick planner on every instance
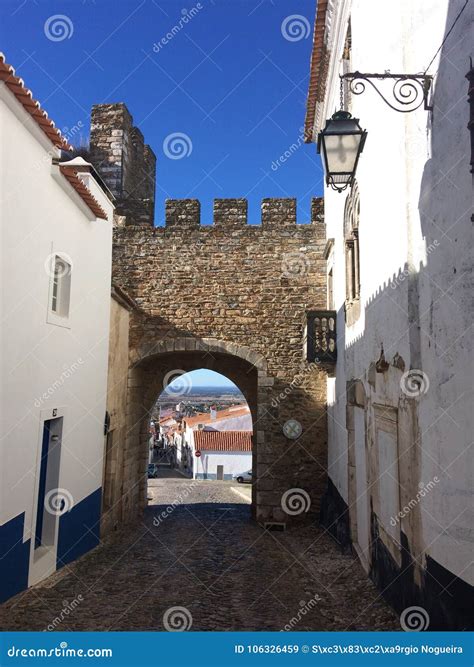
(409, 91)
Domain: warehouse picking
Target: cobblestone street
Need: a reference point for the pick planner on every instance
(207, 556)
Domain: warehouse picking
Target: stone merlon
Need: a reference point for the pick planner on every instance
(232, 213)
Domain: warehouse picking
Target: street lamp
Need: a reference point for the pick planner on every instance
(340, 144)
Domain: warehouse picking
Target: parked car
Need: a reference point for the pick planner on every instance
(152, 471)
(243, 477)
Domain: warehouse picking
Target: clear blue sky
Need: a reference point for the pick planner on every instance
(228, 79)
(199, 378)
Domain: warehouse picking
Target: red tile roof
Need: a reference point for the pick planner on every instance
(32, 106)
(318, 69)
(84, 193)
(205, 417)
(223, 441)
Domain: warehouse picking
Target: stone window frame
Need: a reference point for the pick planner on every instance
(352, 254)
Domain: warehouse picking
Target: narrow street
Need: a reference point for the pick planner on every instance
(204, 555)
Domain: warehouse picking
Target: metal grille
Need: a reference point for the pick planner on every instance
(321, 336)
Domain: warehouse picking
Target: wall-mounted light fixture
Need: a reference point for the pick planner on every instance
(409, 91)
(340, 144)
(342, 140)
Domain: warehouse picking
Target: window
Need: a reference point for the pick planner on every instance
(330, 290)
(60, 289)
(351, 244)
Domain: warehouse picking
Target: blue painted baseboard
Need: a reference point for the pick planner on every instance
(79, 529)
(14, 558)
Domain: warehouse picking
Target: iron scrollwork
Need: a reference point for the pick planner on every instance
(409, 91)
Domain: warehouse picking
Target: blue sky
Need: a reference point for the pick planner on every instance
(233, 79)
(198, 378)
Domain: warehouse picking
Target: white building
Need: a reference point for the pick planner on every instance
(55, 267)
(220, 455)
(399, 261)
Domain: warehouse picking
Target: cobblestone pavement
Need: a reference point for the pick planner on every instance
(207, 556)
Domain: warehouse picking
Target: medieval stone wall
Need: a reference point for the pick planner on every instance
(247, 286)
(126, 164)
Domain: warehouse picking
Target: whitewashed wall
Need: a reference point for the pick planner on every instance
(415, 189)
(45, 366)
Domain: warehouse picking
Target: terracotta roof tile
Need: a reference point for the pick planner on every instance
(205, 417)
(32, 106)
(318, 69)
(84, 193)
(223, 441)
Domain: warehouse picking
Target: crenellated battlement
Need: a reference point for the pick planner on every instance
(232, 213)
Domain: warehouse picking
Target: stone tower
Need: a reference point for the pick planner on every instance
(229, 297)
(126, 164)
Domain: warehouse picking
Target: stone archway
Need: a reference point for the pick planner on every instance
(152, 364)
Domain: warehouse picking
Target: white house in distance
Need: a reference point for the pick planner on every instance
(56, 269)
(399, 263)
(215, 445)
(220, 455)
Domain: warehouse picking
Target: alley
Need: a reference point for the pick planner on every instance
(198, 549)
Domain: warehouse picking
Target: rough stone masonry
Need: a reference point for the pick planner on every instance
(228, 296)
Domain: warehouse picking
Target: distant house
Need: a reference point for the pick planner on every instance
(220, 454)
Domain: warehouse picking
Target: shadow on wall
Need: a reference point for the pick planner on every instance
(405, 394)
